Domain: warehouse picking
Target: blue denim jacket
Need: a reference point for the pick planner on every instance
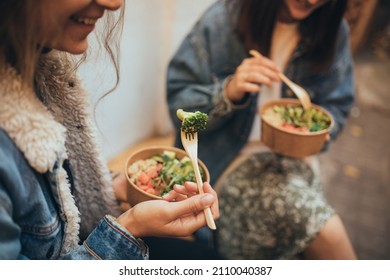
(56, 196)
(211, 52)
(35, 230)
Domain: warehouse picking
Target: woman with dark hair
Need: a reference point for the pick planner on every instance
(57, 200)
(272, 207)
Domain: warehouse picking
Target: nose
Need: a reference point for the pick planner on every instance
(109, 4)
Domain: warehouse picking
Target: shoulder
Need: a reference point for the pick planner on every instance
(343, 55)
(215, 17)
(344, 28)
(217, 9)
(13, 163)
(7, 146)
(343, 35)
(10, 155)
(215, 27)
(10, 163)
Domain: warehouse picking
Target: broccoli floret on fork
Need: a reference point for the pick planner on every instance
(192, 122)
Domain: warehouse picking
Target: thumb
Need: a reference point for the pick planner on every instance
(193, 204)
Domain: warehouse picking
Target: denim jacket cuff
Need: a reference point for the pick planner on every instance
(111, 241)
(233, 105)
(222, 104)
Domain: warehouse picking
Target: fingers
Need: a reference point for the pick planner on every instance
(174, 196)
(253, 78)
(193, 204)
(179, 218)
(263, 61)
(252, 73)
(244, 86)
(255, 71)
(190, 189)
(180, 192)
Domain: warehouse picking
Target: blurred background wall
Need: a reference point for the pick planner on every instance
(137, 108)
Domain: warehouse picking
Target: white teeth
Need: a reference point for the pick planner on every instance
(83, 20)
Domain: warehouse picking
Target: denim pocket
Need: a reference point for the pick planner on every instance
(42, 241)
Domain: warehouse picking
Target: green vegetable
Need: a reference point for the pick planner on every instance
(192, 122)
(313, 119)
(174, 171)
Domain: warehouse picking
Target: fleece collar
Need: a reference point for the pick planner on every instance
(29, 124)
(40, 138)
(54, 127)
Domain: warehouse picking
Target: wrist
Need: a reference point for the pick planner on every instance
(128, 221)
(231, 93)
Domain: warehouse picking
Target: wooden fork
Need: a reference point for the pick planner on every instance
(300, 92)
(190, 144)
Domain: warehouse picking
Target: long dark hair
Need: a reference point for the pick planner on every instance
(18, 45)
(256, 20)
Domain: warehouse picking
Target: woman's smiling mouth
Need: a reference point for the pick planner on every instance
(84, 20)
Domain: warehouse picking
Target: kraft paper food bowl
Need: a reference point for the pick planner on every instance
(292, 143)
(136, 195)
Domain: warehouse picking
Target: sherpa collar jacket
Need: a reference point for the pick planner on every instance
(56, 198)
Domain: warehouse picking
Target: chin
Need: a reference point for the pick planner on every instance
(298, 15)
(74, 49)
(78, 51)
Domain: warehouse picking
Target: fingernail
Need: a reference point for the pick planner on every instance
(207, 199)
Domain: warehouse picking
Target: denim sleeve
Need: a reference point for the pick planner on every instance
(18, 209)
(192, 83)
(337, 92)
(9, 231)
(110, 241)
